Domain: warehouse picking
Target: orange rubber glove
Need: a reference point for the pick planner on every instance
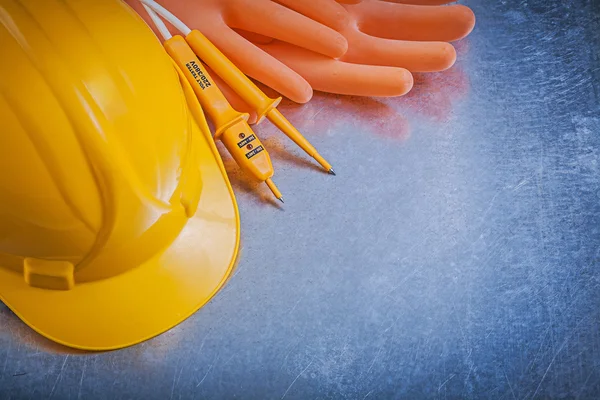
(303, 50)
(217, 19)
(379, 33)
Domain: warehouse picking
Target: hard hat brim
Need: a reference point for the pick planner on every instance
(152, 298)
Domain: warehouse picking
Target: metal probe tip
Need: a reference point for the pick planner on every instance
(274, 189)
(332, 172)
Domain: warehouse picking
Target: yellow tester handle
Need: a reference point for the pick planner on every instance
(231, 74)
(249, 92)
(231, 126)
(210, 96)
(248, 152)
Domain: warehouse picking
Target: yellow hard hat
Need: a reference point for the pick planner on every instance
(117, 220)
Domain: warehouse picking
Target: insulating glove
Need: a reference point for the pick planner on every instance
(217, 19)
(378, 41)
(379, 33)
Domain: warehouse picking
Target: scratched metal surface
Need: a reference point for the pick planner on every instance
(455, 255)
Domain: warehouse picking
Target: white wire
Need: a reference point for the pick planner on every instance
(160, 25)
(166, 14)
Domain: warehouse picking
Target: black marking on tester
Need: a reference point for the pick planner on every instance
(254, 152)
(196, 72)
(246, 141)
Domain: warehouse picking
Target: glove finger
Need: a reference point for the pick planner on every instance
(422, 2)
(276, 21)
(259, 65)
(413, 22)
(414, 56)
(326, 12)
(254, 37)
(335, 76)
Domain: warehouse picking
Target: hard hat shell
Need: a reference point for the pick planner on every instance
(117, 220)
